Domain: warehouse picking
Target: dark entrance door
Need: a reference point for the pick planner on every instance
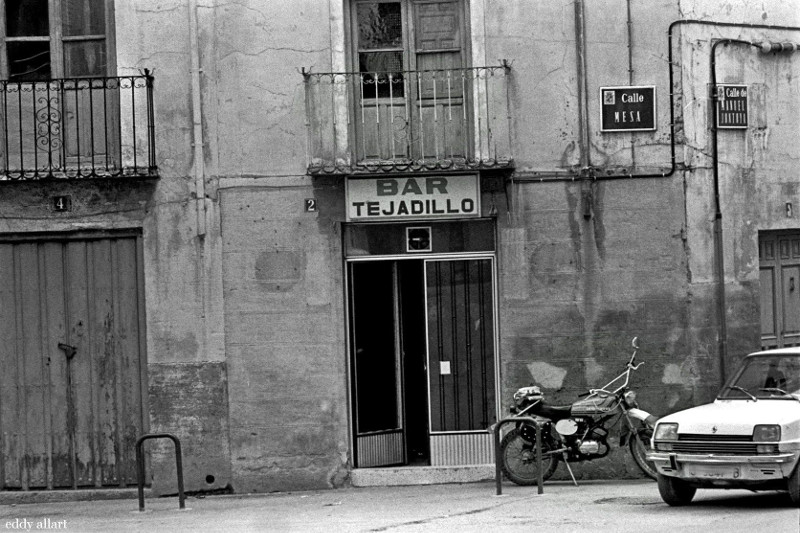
(73, 361)
(388, 358)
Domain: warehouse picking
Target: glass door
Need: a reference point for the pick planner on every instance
(376, 365)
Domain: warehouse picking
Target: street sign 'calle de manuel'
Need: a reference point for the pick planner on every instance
(628, 108)
(731, 106)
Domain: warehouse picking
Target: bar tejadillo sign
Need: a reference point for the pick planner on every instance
(413, 197)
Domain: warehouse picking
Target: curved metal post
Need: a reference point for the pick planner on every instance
(140, 466)
(497, 459)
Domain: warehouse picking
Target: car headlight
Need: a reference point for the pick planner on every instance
(666, 431)
(767, 433)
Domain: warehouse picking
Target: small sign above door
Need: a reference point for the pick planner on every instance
(413, 197)
(629, 108)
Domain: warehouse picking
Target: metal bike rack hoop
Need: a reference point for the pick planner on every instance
(140, 466)
(497, 459)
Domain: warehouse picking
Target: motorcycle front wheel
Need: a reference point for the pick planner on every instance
(639, 444)
(519, 459)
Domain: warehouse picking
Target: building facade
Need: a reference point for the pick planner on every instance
(311, 239)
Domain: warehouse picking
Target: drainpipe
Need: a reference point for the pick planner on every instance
(584, 141)
(198, 147)
(630, 73)
(198, 142)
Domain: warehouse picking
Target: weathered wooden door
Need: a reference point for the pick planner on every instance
(411, 87)
(779, 264)
(72, 361)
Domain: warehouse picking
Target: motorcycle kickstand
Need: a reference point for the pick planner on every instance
(569, 469)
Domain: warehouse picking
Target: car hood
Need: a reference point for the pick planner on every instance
(734, 417)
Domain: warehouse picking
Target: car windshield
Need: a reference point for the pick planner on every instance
(765, 377)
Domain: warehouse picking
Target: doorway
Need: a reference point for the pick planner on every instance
(423, 360)
(72, 396)
(779, 275)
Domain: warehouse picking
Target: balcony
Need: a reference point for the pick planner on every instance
(410, 121)
(77, 128)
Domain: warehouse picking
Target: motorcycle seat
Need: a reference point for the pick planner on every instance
(555, 412)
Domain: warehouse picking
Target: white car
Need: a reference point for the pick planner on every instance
(749, 437)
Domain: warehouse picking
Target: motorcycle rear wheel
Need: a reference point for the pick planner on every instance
(639, 443)
(519, 459)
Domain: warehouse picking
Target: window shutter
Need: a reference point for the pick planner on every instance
(438, 26)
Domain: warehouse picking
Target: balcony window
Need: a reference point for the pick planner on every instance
(63, 113)
(411, 101)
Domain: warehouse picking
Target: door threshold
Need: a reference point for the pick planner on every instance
(420, 475)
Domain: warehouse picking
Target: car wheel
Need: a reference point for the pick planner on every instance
(675, 491)
(794, 486)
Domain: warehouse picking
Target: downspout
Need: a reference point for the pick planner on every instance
(630, 73)
(584, 139)
(198, 142)
(198, 147)
(587, 183)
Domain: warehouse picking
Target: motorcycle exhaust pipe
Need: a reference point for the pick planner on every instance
(644, 416)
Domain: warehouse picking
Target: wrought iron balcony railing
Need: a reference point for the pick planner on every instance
(429, 120)
(77, 128)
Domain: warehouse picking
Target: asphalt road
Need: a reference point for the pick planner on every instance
(592, 506)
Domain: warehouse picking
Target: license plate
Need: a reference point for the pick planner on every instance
(711, 472)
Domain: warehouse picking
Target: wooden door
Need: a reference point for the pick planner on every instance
(73, 361)
(91, 123)
(411, 87)
(779, 269)
(440, 112)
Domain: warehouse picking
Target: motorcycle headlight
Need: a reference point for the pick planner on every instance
(666, 431)
(630, 397)
(767, 433)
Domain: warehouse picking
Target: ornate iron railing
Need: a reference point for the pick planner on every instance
(428, 120)
(77, 128)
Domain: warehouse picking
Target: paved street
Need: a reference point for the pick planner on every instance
(593, 506)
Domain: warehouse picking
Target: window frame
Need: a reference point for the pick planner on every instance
(409, 47)
(56, 39)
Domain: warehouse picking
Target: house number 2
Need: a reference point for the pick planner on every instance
(310, 205)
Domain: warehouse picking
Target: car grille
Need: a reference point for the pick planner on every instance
(718, 444)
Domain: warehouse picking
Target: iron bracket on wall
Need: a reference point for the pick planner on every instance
(140, 466)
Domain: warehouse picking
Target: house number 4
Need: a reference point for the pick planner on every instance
(62, 203)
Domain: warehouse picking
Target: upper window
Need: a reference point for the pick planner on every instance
(410, 80)
(408, 35)
(45, 39)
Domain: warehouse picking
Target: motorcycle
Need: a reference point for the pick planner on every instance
(576, 432)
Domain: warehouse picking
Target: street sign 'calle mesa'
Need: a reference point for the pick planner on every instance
(628, 108)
